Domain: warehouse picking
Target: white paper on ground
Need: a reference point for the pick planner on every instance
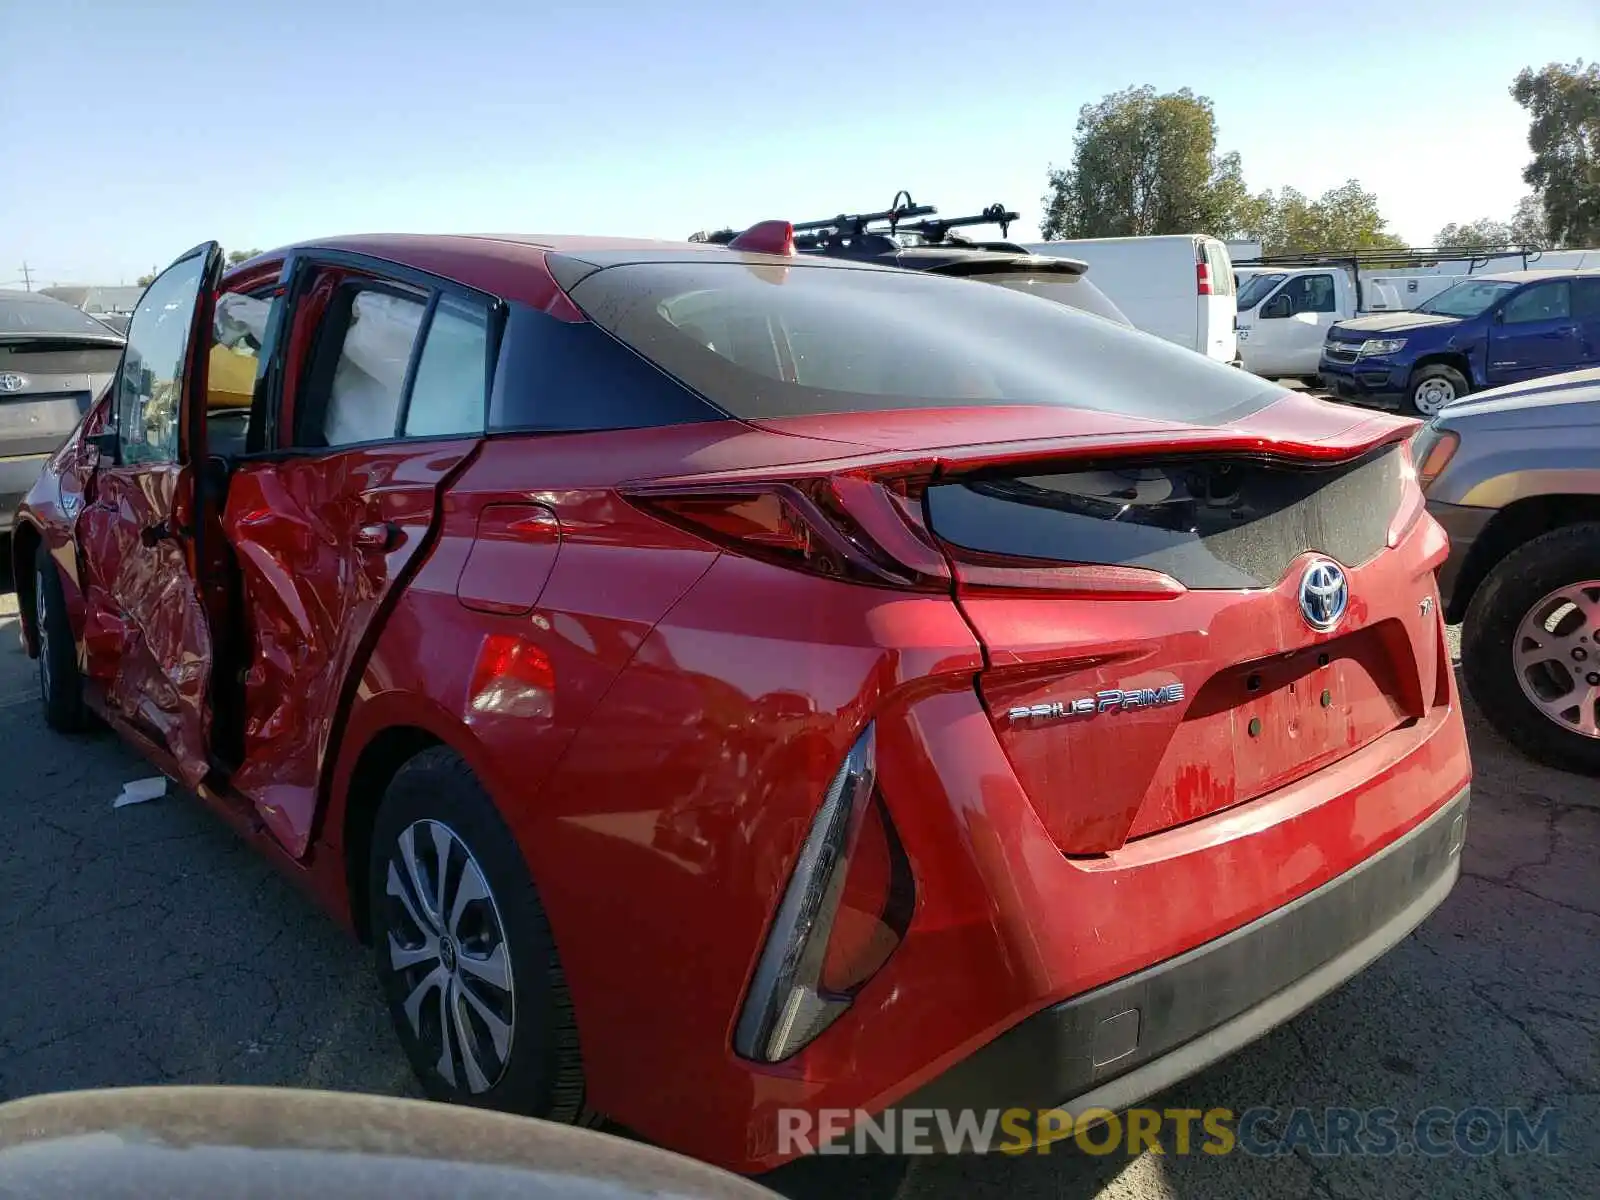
(137, 791)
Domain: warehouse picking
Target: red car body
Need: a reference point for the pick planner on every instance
(654, 647)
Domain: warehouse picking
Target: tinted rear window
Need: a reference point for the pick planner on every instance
(566, 376)
(47, 317)
(774, 341)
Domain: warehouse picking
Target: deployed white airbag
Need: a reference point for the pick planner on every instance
(365, 401)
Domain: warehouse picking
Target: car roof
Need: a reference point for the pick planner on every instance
(1533, 276)
(516, 266)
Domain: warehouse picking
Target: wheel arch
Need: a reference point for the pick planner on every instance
(384, 734)
(1512, 526)
(1456, 360)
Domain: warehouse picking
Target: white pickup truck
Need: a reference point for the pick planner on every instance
(1285, 313)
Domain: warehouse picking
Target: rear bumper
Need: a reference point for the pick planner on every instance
(1123, 1042)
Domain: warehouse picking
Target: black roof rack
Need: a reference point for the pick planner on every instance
(1355, 261)
(1406, 256)
(899, 219)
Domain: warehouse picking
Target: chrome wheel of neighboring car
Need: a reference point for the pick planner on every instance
(447, 943)
(1433, 394)
(1556, 656)
(42, 632)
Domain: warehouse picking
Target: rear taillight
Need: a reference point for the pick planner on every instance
(863, 529)
(846, 907)
(853, 528)
(1202, 279)
(977, 574)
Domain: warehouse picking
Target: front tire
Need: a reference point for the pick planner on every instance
(464, 951)
(1530, 648)
(60, 685)
(1434, 386)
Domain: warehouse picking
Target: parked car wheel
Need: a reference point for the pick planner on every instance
(60, 685)
(464, 952)
(1530, 647)
(1433, 387)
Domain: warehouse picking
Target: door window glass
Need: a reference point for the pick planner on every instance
(1222, 281)
(449, 393)
(1586, 299)
(370, 375)
(1541, 302)
(1311, 293)
(239, 328)
(150, 387)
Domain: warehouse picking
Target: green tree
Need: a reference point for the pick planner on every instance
(1289, 222)
(1483, 234)
(235, 257)
(1525, 228)
(1144, 163)
(1528, 226)
(147, 280)
(1563, 104)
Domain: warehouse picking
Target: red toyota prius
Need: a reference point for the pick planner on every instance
(718, 682)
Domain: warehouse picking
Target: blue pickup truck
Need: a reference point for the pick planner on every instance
(1485, 331)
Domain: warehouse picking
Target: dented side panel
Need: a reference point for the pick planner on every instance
(321, 542)
(145, 633)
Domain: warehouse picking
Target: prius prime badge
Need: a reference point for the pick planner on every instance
(1324, 594)
(1110, 700)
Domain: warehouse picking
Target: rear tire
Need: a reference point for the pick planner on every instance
(1431, 388)
(60, 685)
(474, 985)
(1506, 654)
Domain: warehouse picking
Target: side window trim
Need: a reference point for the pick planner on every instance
(321, 347)
(300, 272)
(418, 347)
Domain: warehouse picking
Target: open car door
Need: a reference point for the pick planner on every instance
(147, 637)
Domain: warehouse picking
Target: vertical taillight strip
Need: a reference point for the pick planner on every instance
(786, 1006)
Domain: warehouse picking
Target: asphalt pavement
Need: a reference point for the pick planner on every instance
(146, 945)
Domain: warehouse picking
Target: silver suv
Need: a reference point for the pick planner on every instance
(1513, 474)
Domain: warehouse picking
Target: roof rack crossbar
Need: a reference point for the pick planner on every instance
(851, 224)
(935, 230)
(1406, 256)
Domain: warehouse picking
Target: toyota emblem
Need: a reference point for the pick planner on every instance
(10, 381)
(1324, 594)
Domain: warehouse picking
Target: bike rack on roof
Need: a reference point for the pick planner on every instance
(899, 219)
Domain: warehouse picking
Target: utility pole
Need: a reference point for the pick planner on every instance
(27, 278)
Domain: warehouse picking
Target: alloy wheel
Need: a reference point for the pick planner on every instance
(42, 632)
(1556, 657)
(447, 945)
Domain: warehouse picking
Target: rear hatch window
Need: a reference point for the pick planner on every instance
(1060, 287)
(773, 341)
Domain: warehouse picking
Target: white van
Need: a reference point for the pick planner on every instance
(1178, 287)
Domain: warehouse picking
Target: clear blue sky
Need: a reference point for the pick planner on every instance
(130, 135)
